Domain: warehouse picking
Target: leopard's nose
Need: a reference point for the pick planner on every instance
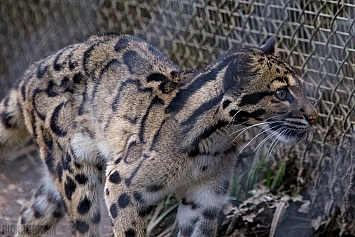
(310, 113)
(312, 119)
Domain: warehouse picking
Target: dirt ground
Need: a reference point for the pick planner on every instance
(18, 181)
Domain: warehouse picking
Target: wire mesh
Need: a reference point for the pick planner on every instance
(316, 37)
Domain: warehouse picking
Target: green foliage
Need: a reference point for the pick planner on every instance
(258, 172)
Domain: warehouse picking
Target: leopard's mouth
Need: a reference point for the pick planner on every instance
(290, 134)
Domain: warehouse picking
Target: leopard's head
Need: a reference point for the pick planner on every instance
(263, 90)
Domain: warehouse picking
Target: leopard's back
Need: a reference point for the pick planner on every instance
(107, 79)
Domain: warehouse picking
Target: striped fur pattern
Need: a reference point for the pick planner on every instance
(114, 108)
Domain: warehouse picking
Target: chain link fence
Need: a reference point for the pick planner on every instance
(316, 37)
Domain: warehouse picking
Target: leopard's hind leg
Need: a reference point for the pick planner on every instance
(43, 211)
(81, 188)
(70, 186)
(13, 131)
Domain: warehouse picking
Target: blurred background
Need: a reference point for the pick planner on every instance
(303, 190)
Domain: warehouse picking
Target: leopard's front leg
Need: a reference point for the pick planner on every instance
(129, 195)
(199, 207)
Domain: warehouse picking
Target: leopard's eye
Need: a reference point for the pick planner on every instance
(281, 94)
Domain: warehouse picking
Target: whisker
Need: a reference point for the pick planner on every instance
(240, 124)
(233, 118)
(264, 140)
(280, 132)
(260, 132)
(273, 144)
(270, 123)
(268, 137)
(289, 132)
(244, 129)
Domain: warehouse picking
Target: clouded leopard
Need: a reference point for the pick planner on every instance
(116, 106)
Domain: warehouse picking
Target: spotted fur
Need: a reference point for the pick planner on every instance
(116, 107)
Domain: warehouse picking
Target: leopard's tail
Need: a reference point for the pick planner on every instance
(13, 131)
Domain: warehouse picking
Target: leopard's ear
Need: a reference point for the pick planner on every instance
(270, 46)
